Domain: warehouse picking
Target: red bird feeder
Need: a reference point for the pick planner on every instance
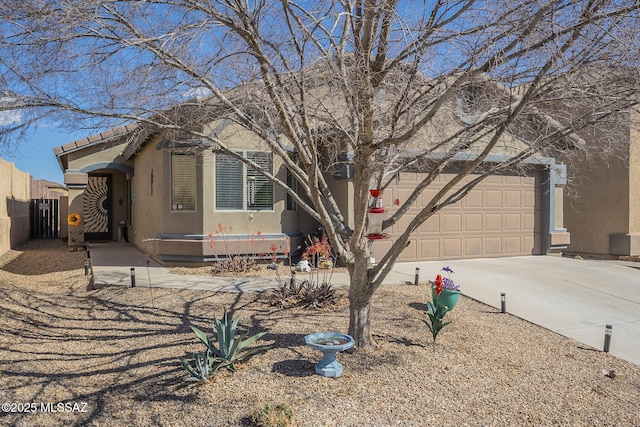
(375, 192)
(376, 216)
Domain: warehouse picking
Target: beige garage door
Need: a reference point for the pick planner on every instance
(500, 217)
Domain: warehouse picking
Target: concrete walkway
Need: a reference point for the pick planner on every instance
(575, 298)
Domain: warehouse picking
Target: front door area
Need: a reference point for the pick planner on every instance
(97, 207)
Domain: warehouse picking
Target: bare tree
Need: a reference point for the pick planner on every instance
(395, 85)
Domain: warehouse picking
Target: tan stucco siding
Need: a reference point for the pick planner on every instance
(14, 206)
(634, 176)
(277, 220)
(96, 155)
(342, 191)
(180, 222)
(148, 196)
(598, 204)
(248, 222)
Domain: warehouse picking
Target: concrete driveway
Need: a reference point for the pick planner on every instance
(575, 298)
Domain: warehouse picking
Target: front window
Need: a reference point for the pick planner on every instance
(183, 182)
(240, 187)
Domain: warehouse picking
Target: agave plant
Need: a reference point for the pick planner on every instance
(225, 348)
(203, 367)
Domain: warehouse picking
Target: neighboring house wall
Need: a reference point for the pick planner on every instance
(600, 202)
(14, 208)
(634, 183)
(628, 243)
(42, 189)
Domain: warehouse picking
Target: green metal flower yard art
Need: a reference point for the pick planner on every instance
(450, 292)
(445, 294)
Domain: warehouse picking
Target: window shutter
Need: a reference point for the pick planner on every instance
(183, 182)
(229, 173)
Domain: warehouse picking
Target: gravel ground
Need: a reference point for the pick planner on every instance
(114, 352)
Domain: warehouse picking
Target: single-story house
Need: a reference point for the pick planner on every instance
(181, 204)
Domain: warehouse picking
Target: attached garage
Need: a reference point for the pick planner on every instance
(502, 216)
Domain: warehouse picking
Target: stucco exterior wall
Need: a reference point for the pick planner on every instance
(597, 204)
(634, 175)
(629, 243)
(246, 221)
(277, 220)
(148, 196)
(97, 156)
(14, 206)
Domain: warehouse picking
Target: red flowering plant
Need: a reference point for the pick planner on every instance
(313, 291)
(318, 251)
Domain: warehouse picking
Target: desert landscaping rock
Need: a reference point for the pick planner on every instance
(116, 349)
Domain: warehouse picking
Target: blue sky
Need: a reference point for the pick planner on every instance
(35, 154)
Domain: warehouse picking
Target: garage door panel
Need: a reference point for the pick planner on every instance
(427, 195)
(429, 248)
(381, 247)
(512, 222)
(472, 222)
(493, 246)
(528, 222)
(515, 180)
(493, 198)
(512, 245)
(513, 198)
(528, 244)
(389, 195)
(473, 199)
(403, 223)
(410, 252)
(432, 225)
(452, 248)
(403, 194)
(493, 222)
(451, 222)
(500, 217)
(473, 247)
(529, 199)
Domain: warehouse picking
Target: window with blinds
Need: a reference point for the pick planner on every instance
(183, 182)
(239, 187)
(259, 187)
(229, 177)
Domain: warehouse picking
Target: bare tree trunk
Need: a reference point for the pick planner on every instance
(360, 294)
